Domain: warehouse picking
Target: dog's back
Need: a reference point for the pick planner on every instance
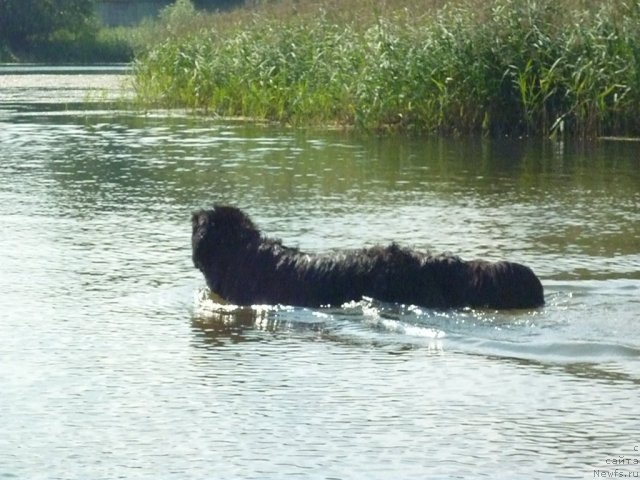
(245, 268)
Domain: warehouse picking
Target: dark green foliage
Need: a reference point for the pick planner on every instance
(24, 23)
(217, 5)
(60, 31)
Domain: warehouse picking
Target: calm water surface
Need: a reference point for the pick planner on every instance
(115, 362)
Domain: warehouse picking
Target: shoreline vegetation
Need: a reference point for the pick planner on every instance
(454, 67)
(503, 67)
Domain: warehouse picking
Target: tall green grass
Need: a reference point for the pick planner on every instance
(502, 67)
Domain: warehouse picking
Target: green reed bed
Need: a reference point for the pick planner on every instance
(534, 67)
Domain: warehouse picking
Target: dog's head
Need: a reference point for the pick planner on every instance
(219, 234)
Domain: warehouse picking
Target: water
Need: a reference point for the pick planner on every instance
(115, 362)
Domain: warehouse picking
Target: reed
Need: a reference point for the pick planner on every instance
(503, 67)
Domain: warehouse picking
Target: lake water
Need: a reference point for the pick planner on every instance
(115, 362)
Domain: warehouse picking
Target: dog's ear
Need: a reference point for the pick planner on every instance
(199, 218)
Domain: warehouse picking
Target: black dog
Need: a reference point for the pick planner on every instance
(246, 268)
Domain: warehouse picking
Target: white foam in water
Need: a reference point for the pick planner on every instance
(208, 304)
(412, 330)
(375, 316)
(204, 304)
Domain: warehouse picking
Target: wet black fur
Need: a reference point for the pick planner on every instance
(245, 268)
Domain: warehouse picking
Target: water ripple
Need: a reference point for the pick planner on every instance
(105, 349)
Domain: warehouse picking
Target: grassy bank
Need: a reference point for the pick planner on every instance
(532, 67)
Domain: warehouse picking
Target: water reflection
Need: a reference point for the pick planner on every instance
(103, 345)
(565, 216)
(217, 323)
(528, 338)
